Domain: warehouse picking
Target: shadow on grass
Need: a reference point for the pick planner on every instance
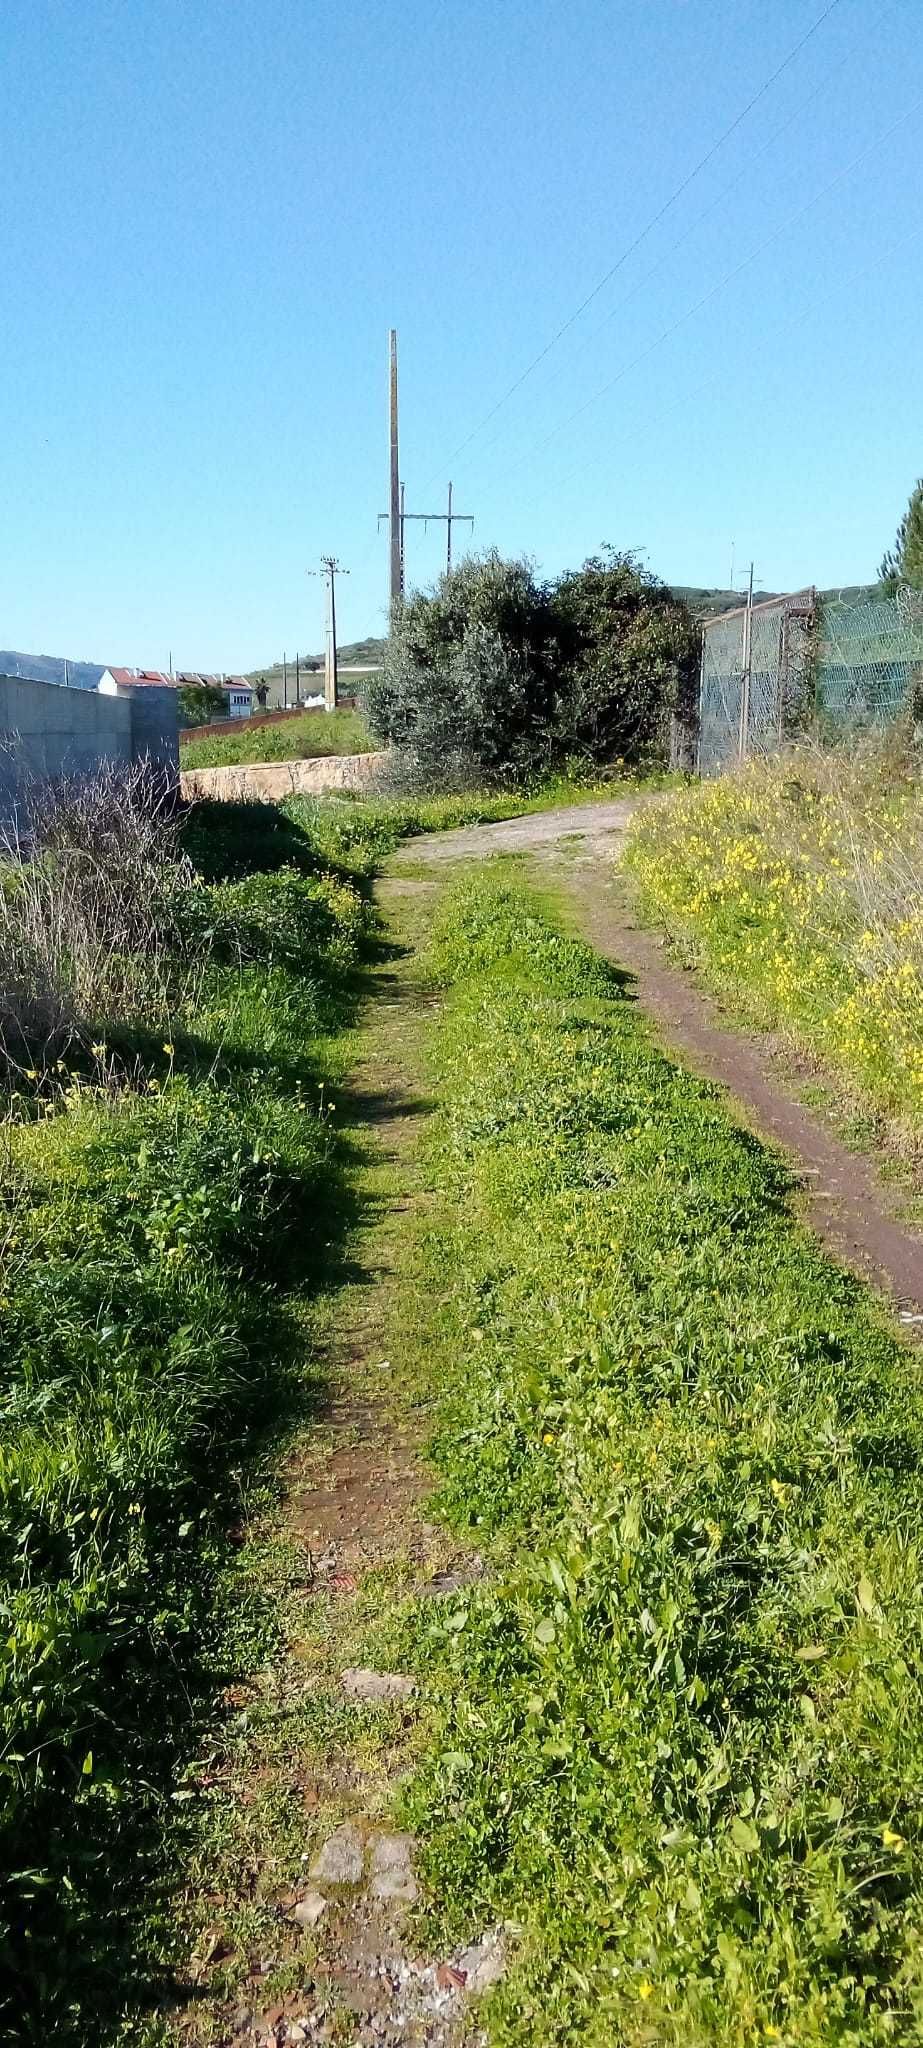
(84, 1945)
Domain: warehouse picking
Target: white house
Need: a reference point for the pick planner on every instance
(236, 689)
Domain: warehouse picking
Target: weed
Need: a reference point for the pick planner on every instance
(293, 739)
(170, 1202)
(675, 1733)
(796, 885)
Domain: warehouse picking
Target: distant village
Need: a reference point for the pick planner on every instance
(240, 696)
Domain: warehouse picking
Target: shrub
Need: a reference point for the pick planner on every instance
(629, 659)
(495, 677)
(198, 704)
(466, 685)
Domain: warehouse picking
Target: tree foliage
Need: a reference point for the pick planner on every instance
(198, 704)
(466, 683)
(904, 562)
(495, 676)
(628, 659)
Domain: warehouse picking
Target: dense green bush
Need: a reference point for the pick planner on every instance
(466, 687)
(629, 660)
(493, 676)
(200, 704)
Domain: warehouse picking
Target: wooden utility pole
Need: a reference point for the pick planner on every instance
(395, 518)
(330, 569)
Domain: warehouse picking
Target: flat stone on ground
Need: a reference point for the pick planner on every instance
(310, 1909)
(374, 1686)
(484, 1963)
(392, 1869)
(341, 1860)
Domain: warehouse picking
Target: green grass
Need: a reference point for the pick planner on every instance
(172, 1206)
(795, 886)
(304, 738)
(676, 1735)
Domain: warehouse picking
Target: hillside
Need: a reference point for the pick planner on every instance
(49, 668)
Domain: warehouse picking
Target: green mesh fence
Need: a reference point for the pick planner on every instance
(868, 657)
(850, 660)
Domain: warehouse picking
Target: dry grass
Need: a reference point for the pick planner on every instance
(86, 910)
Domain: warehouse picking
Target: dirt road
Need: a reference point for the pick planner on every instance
(841, 1194)
(599, 826)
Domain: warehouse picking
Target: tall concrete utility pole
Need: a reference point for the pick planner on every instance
(447, 519)
(396, 526)
(330, 569)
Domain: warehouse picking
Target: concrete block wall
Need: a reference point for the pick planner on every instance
(154, 726)
(47, 731)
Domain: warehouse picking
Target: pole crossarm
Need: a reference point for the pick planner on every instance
(330, 569)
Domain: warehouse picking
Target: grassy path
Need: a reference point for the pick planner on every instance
(676, 1733)
(344, 1561)
(843, 1197)
(645, 1738)
(855, 1208)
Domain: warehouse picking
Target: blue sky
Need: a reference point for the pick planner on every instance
(211, 212)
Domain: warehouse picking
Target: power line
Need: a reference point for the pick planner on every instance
(686, 398)
(719, 198)
(648, 228)
(876, 143)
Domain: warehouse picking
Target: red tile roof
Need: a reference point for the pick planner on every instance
(134, 678)
(130, 678)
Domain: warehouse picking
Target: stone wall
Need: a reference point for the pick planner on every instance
(273, 780)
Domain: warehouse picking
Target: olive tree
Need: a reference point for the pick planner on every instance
(465, 690)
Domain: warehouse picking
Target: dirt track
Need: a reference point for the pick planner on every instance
(842, 1196)
(599, 826)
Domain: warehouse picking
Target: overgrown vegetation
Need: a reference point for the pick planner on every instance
(170, 1198)
(493, 677)
(302, 738)
(796, 885)
(676, 1731)
(903, 563)
(199, 703)
(176, 987)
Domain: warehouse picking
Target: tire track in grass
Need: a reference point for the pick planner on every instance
(298, 1892)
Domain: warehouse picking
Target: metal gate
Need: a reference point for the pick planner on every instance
(755, 664)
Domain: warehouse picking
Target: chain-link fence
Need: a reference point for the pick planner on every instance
(770, 670)
(754, 678)
(868, 657)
